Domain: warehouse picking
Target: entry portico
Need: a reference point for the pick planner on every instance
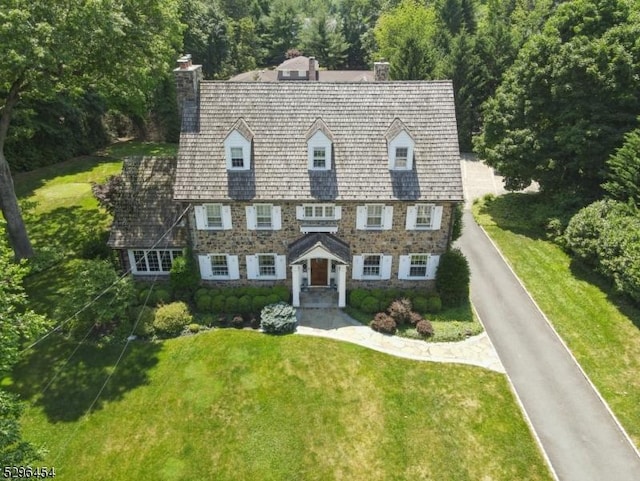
(319, 260)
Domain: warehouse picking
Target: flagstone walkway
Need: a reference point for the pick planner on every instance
(334, 324)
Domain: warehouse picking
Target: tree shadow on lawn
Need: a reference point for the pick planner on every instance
(71, 387)
(623, 303)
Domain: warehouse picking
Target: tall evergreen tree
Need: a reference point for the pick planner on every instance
(322, 38)
(624, 171)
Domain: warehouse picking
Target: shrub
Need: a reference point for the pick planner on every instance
(231, 305)
(279, 318)
(421, 304)
(143, 316)
(452, 278)
(203, 291)
(384, 323)
(254, 322)
(400, 311)
(161, 296)
(258, 302)
(414, 318)
(370, 305)
(171, 319)
(217, 303)
(424, 328)
(193, 328)
(434, 304)
(245, 305)
(183, 276)
(203, 303)
(237, 322)
(273, 299)
(95, 247)
(282, 292)
(208, 320)
(356, 297)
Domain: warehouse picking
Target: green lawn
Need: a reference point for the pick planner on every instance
(233, 405)
(601, 329)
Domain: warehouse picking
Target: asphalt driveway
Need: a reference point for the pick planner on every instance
(578, 433)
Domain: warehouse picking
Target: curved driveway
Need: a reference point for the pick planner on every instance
(576, 430)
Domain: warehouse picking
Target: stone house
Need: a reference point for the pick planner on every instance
(312, 184)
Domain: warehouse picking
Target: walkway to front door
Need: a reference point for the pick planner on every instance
(319, 298)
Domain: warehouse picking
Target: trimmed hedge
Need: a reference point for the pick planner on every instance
(452, 278)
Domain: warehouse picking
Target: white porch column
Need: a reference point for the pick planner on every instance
(342, 285)
(296, 280)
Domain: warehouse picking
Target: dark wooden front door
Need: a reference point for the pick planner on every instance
(319, 272)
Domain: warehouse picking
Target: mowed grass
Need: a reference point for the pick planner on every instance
(240, 405)
(601, 329)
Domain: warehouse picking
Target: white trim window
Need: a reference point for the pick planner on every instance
(266, 267)
(374, 217)
(401, 158)
(264, 217)
(319, 151)
(424, 217)
(286, 73)
(237, 157)
(219, 267)
(420, 266)
(371, 267)
(152, 261)
(318, 212)
(213, 217)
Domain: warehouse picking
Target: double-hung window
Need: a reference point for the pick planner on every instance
(418, 265)
(424, 216)
(371, 265)
(266, 265)
(214, 215)
(237, 158)
(219, 265)
(402, 156)
(319, 158)
(263, 216)
(374, 216)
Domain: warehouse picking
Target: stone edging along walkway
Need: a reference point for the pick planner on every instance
(476, 350)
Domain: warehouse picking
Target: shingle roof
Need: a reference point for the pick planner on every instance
(358, 115)
(323, 76)
(331, 243)
(146, 210)
(296, 63)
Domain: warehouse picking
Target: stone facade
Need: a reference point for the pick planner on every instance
(397, 241)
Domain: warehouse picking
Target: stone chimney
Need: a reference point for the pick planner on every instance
(188, 77)
(312, 69)
(381, 71)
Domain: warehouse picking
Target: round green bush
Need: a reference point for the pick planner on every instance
(217, 303)
(203, 291)
(171, 319)
(282, 292)
(161, 296)
(370, 305)
(434, 304)
(245, 305)
(273, 299)
(144, 317)
(356, 297)
(258, 302)
(420, 304)
(193, 327)
(203, 303)
(231, 305)
(452, 278)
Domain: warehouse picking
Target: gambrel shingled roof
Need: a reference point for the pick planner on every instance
(358, 115)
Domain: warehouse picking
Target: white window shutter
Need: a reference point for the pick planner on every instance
(412, 214)
(299, 212)
(201, 217)
(250, 211)
(432, 266)
(226, 217)
(234, 268)
(356, 270)
(132, 262)
(281, 267)
(252, 267)
(205, 266)
(404, 267)
(337, 212)
(385, 268)
(276, 217)
(387, 220)
(361, 217)
(437, 217)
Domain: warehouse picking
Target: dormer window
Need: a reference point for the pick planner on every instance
(400, 145)
(319, 146)
(237, 146)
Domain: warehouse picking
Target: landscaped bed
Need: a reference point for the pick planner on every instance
(239, 405)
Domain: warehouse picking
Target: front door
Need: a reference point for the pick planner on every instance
(319, 269)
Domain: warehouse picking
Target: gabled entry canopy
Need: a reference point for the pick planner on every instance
(319, 245)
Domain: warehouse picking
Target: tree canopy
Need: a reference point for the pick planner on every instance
(567, 100)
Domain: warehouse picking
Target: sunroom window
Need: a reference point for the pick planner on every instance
(155, 261)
